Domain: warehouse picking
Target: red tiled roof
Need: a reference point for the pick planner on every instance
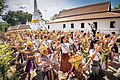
(100, 7)
(19, 27)
(103, 15)
(24, 27)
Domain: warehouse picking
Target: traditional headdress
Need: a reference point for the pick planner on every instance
(29, 43)
(19, 40)
(42, 49)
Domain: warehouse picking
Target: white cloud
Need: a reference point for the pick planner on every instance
(47, 7)
(48, 12)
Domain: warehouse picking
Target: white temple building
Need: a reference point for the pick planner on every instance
(100, 14)
(37, 21)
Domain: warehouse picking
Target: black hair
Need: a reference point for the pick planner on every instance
(36, 36)
(92, 43)
(45, 36)
(95, 41)
(53, 31)
(82, 31)
(113, 33)
(84, 34)
(58, 39)
(62, 39)
(71, 35)
(97, 32)
(107, 36)
(71, 32)
(47, 32)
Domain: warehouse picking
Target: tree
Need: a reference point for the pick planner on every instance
(3, 26)
(118, 6)
(5, 61)
(1, 6)
(115, 7)
(17, 17)
(54, 17)
(8, 69)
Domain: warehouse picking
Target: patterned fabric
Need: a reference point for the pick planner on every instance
(47, 68)
(97, 73)
(46, 62)
(47, 45)
(65, 65)
(49, 75)
(31, 64)
(49, 51)
(79, 75)
(30, 54)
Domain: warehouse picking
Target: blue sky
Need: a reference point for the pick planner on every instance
(50, 7)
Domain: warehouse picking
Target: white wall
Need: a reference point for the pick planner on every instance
(102, 25)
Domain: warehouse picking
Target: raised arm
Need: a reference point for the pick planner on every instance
(58, 51)
(91, 58)
(22, 51)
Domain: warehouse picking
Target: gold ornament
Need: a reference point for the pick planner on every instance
(42, 49)
(75, 60)
(29, 43)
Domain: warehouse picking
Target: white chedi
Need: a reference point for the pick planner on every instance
(37, 22)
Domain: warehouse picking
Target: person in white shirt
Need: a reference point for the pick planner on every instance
(65, 55)
(94, 61)
(36, 42)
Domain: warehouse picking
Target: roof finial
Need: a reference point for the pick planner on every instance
(35, 6)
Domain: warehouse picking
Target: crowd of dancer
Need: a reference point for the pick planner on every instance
(50, 52)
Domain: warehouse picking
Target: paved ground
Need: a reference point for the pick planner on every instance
(110, 73)
(113, 67)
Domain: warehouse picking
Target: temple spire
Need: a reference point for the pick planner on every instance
(37, 22)
(35, 6)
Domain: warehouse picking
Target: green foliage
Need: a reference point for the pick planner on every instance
(3, 26)
(1, 5)
(15, 76)
(117, 7)
(118, 40)
(5, 59)
(17, 17)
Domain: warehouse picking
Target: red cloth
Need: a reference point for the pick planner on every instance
(65, 65)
